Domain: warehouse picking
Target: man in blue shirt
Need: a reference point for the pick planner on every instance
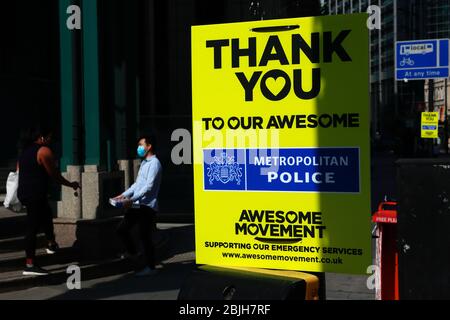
(141, 204)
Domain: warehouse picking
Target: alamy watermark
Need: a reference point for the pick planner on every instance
(74, 20)
(374, 280)
(214, 141)
(374, 20)
(74, 280)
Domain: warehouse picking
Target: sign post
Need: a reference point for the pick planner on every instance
(420, 60)
(281, 144)
(446, 116)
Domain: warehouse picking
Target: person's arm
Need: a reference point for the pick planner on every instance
(46, 159)
(150, 177)
(129, 192)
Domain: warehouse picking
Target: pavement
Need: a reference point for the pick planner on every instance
(166, 286)
(176, 264)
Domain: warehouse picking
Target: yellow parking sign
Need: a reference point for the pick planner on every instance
(429, 125)
(281, 144)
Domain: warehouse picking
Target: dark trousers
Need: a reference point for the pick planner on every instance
(144, 218)
(39, 216)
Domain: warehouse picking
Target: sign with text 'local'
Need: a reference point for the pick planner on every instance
(281, 144)
(422, 59)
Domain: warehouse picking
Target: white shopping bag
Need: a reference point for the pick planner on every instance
(11, 200)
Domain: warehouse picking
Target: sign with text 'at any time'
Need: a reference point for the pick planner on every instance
(281, 144)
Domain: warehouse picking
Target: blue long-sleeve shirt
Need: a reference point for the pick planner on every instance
(146, 188)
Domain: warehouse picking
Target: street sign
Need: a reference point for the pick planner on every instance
(429, 124)
(281, 144)
(422, 59)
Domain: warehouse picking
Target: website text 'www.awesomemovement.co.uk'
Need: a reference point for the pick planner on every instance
(336, 253)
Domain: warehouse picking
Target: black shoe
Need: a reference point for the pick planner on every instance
(52, 248)
(34, 271)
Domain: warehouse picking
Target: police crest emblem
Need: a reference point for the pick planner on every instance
(224, 169)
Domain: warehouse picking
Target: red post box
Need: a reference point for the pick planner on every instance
(386, 250)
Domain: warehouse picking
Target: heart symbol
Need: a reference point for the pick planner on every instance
(291, 216)
(275, 85)
(218, 123)
(325, 123)
(255, 229)
(233, 123)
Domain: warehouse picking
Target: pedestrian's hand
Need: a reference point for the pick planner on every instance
(127, 203)
(119, 197)
(75, 185)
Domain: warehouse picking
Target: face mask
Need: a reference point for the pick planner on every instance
(141, 151)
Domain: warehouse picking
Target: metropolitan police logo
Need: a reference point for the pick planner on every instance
(224, 169)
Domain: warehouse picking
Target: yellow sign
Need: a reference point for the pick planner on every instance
(281, 144)
(429, 124)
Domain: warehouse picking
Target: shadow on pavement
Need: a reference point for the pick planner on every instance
(158, 287)
(180, 241)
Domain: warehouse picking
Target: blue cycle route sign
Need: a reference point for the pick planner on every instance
(422, 59)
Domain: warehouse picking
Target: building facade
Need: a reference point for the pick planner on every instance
(393, 103)
(124, 74)
(438, 27)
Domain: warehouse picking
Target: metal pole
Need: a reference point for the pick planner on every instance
(430, 109)
(431, 95)
(446, 118)
(380, 73)
(395, 41)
